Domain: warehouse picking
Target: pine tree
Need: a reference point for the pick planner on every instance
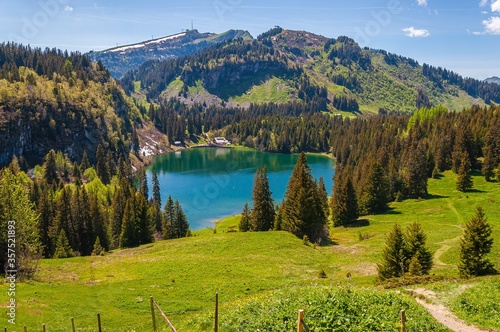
(128, 235)
(302, 209)
(143, 183)
(415, 249)
(475, 245)
(244, 225)
(98, 249)
(464, 179)
(181, 223)
(394, 256)
(488, 168)
(63, 249)
(156, 188)
(99, 221)
(375, 192)
(323, 196)
(50, 168)
(416, 172)
(45, 212)
(262, 217)
(102, 170)
(120, 197)
(144, 225)
(84, 164)
(167, 224)
(344, 205)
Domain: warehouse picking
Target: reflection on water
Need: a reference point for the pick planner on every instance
(211, 183)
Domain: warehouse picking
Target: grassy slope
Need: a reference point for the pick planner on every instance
(184, 274)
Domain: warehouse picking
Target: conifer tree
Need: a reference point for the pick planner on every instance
(244, 224)
(84, 164)
(262, 217)
(344, 204)
(488, 168)
(475, 246)
(323, 196)
(98, 249)
(416, 172)
(375, 192)
(102, 170)
(156, 188)
(181, 223)
(167, 225)
(302, 209)
(120, 197)
(63, 249)
(464, 179)
(144, 225)
(156, 203)
(416, 251)
(50, 168)
(128, 235)
(394, 256)
(99, 221)
(143, 183)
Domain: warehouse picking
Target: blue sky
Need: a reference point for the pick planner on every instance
(460, 35)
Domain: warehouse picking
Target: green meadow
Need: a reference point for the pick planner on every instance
(266, 277)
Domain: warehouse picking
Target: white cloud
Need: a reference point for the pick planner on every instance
(416, 33)
(422, 2)
(492, 25)
(495, 6)
(483, 3)
(68, 9)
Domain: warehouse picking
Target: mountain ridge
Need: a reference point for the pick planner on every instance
(120, 59)
(240, 72)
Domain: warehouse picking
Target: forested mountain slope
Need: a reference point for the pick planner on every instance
(283, 65)
(119, 60)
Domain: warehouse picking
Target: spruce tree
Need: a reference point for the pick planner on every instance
(102, 170)
(143, 183)
(262, 217)
(415, 176)
(98, 249)
(244, 225)
(475, 246)
(156, 203)
(375, 192)
(156, 188)
(181, 223)
(417, 254)
(323, 196)
(119, 201)
(63, 249)
(167, 225)
(50, 168)
(84, 164)
(302, 209)
(464, 179)
(128, 235)
(144, 225)
(344, 204)
(394, 256)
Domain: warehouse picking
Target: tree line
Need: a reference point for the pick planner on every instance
(64, 208)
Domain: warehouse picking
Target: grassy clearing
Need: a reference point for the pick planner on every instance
(183, 275)
(275, 90)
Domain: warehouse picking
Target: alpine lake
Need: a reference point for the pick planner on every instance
(213, 183)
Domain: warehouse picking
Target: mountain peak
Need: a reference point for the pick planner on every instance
(121, 59)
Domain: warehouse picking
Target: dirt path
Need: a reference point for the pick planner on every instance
(441, 313)
(447, 244)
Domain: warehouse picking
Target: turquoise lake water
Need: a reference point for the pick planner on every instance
(212, 183)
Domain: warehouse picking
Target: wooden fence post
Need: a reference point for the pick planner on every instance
(403, 321)
(153, 313)
(25, 328)
(299, 321)
(99, 322)
(216, 328)
(43, 327)
(73, 325)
